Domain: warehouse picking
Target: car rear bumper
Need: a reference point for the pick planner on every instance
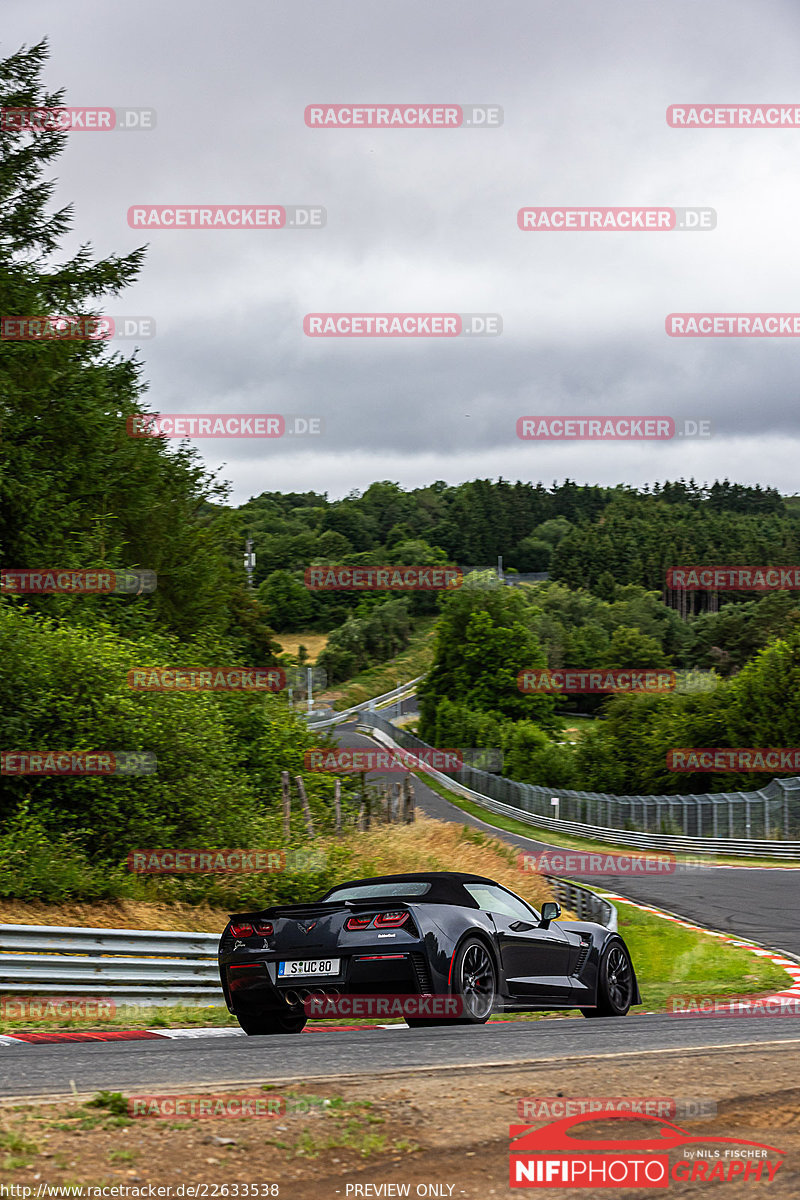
(254, 985)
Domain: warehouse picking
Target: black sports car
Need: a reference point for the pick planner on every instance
(434, 934)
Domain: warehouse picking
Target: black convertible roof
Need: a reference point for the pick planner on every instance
(447, 887)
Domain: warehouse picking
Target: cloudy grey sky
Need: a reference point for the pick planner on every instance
(425, 221)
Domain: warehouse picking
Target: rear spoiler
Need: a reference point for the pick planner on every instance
(322, 907)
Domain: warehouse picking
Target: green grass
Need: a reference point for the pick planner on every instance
(670, 960)
(415, 660)
(134, 1016)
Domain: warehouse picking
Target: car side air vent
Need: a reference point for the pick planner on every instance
(424, 985)
(582, 957)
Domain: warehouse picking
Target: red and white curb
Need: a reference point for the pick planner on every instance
(51, 1037)
(790, 967)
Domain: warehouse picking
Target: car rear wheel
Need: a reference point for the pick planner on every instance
(474, 983)
(256, 1024)
(615, 984)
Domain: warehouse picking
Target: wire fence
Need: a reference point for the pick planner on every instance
(771, 813)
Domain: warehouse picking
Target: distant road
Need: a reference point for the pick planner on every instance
(751, 902)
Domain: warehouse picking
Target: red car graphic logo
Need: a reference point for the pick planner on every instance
(666, 1136)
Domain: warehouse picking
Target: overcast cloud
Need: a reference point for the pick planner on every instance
(425, 221)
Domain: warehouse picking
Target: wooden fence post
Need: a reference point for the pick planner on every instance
(411, 809)
(304, 800)
(287, 805)
(337, 806)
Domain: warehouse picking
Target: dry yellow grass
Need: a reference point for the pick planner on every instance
(430, 845)
(427, 845)
(116, 914)
(314, 643)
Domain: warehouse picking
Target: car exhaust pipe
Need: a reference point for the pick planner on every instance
(293, 999)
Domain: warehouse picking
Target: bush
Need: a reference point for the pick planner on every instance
(219, 756)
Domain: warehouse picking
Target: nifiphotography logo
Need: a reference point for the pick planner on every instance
(553, 1156)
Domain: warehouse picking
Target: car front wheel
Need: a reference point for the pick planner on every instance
(615, 984)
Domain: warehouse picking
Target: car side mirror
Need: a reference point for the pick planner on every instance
(550, 912)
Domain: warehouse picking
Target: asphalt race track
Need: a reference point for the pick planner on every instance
(755, 903)
(38, 1070)
(760, 904)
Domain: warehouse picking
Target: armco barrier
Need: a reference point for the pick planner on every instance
(521, 801)
(398, 693)
(587, 904)
(128, 965)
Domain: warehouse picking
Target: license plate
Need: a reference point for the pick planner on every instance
(308, 966)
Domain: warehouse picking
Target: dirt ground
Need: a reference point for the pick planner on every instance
(444, 1133)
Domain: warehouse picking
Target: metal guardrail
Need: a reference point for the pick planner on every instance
(134, 966)
(586, 903)
(528, 795)
(397, 693)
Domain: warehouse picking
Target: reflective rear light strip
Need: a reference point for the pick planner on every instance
(374, 957)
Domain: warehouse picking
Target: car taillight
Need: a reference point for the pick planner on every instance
(264, 928)
(358, 922)
(240, 931)
(391, 919)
